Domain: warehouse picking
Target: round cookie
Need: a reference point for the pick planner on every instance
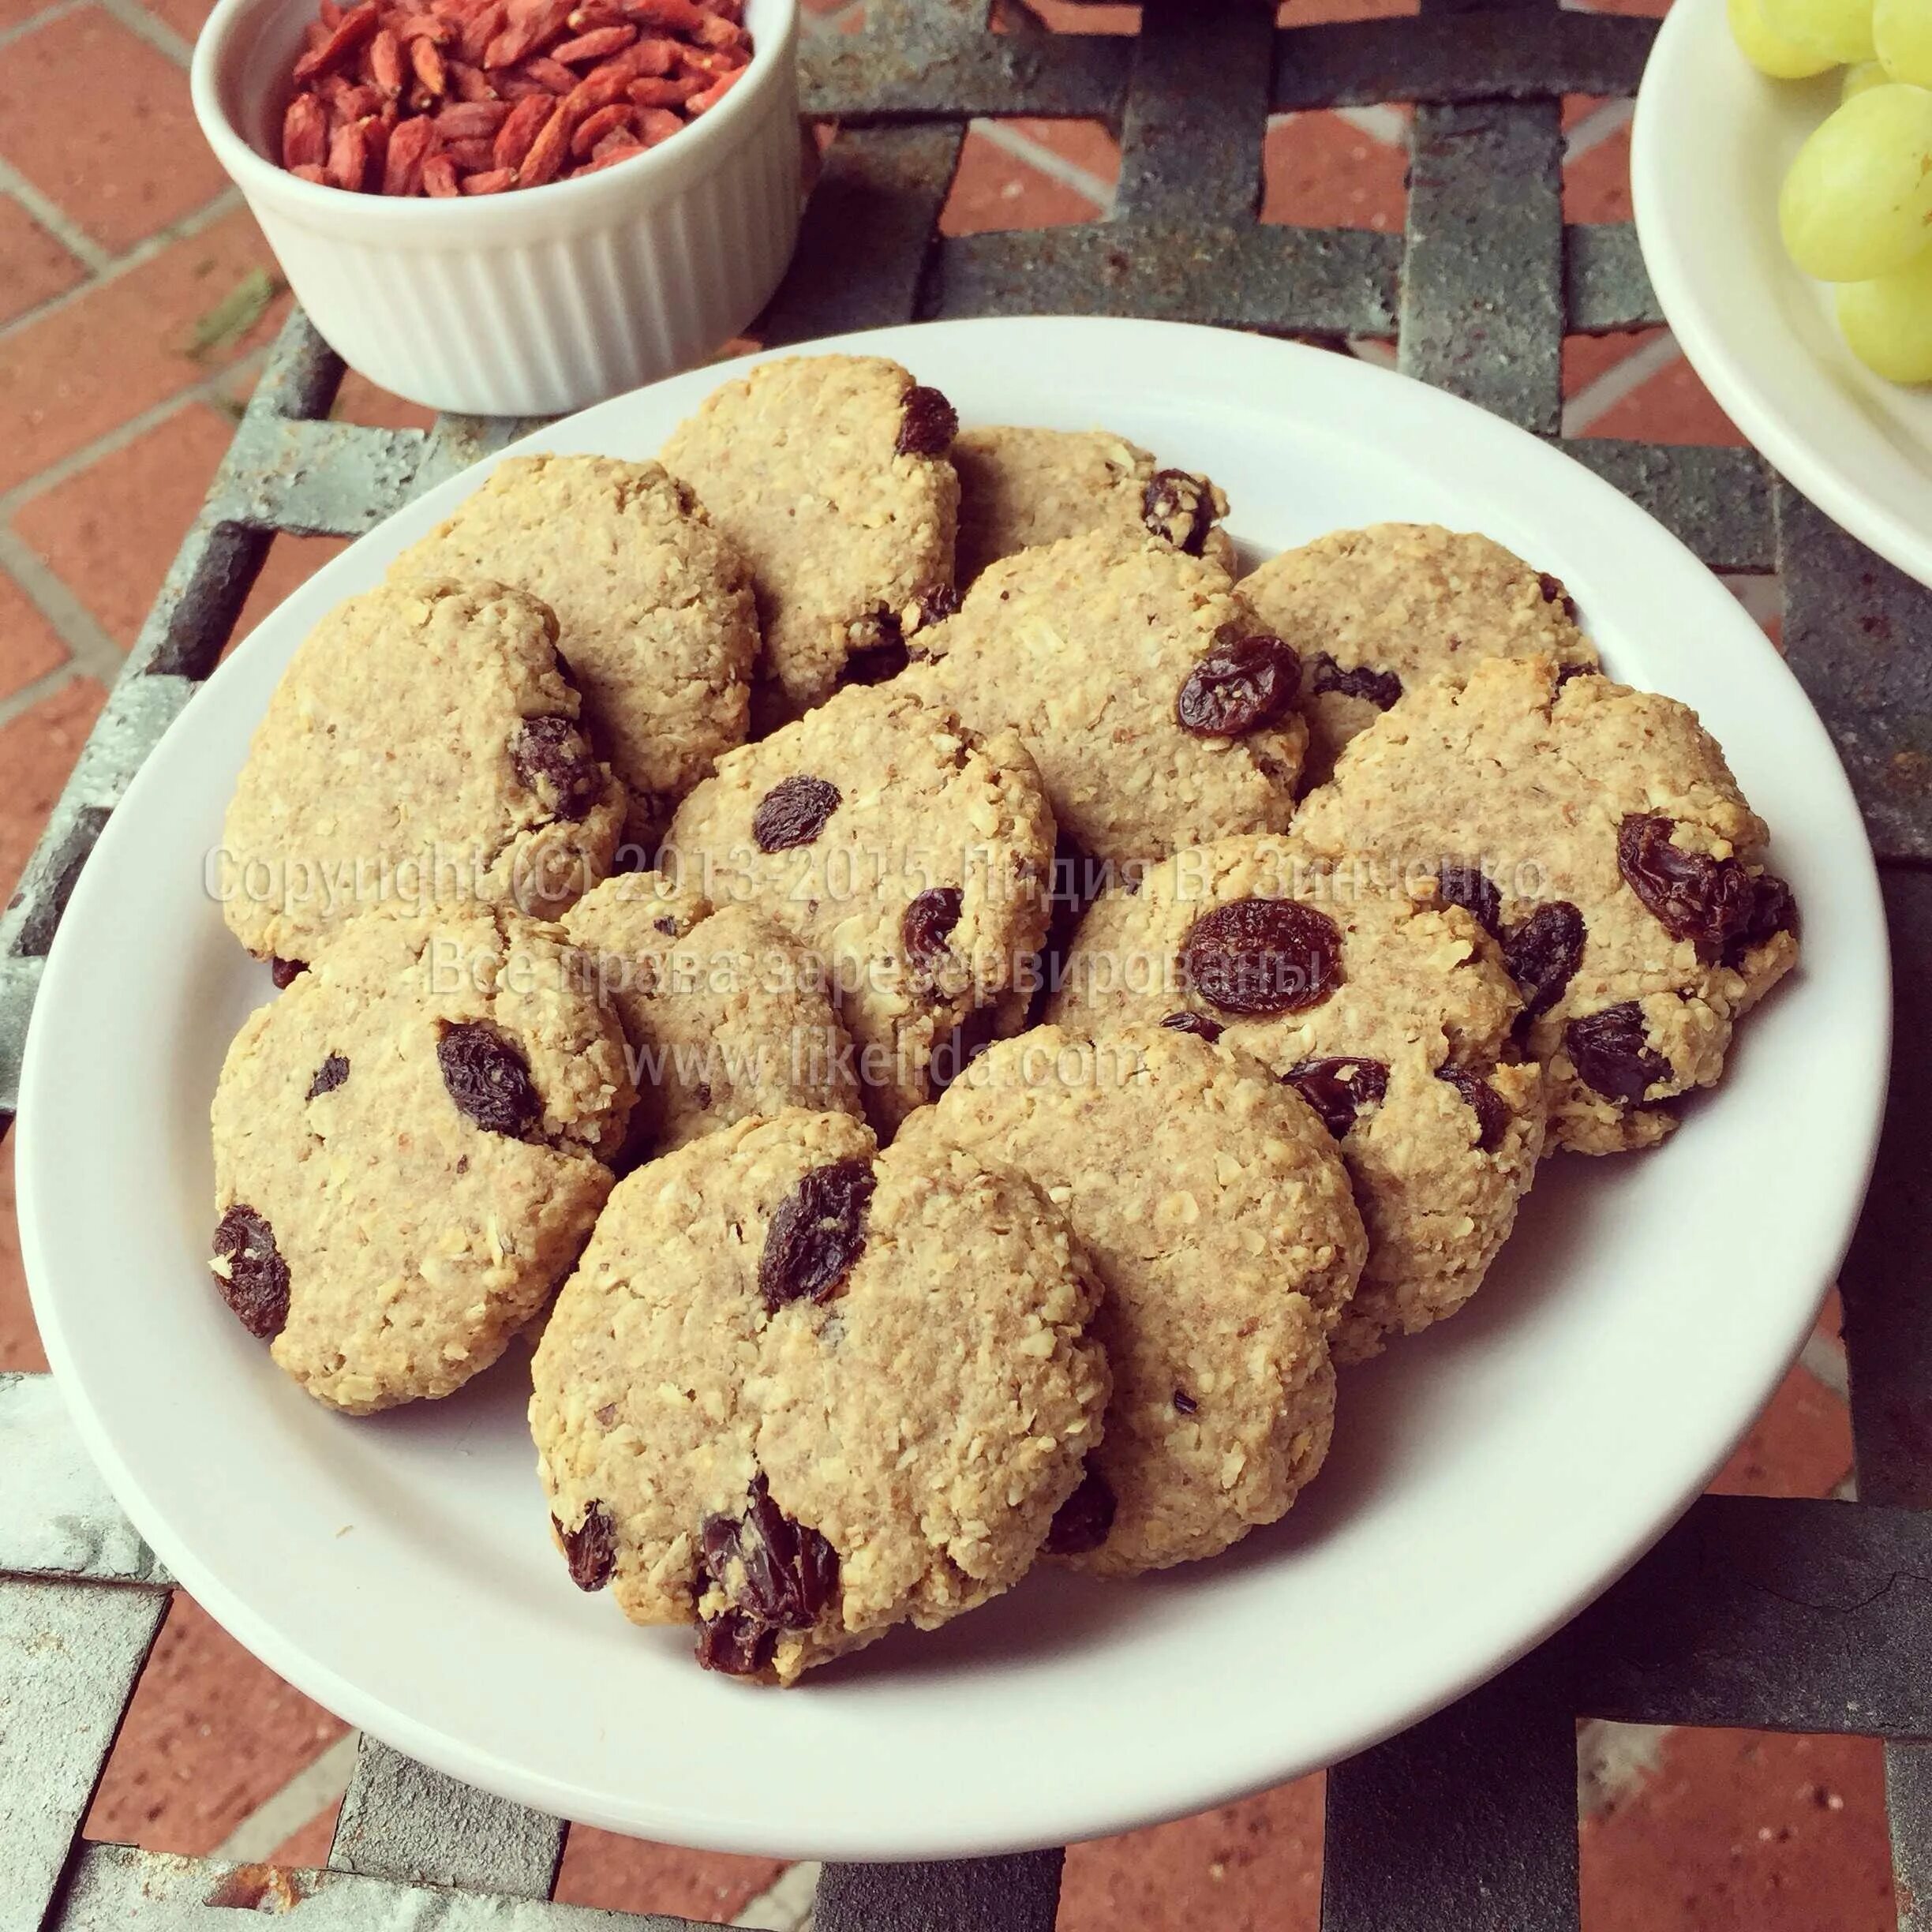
(407, 1148)
(830, 474)
(1392, 1017)
(798, 1392)
(655, 616)
(1620, 866)
(725, 1014)
(1137, 677)
(1373, 611)
(1022, 488)
(422, 750)
(1212, 1205)
(910, 856)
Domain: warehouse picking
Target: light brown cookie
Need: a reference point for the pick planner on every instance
(1019, 489)
(422, 750)
(830, 474)
(1138, 678)
(1212, 1205)
(911, 856)
(798, 1392)
(725, 1013)
(407, 1149)
(1392, 1015)
(1373, 611)
(655, 617)
(1598, 831)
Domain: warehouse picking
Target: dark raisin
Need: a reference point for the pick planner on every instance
(489, 1079)
(1198, 1024)
(779, 1573)
(1263, 956)
(1543, 952)
(1553, 593)
(1338, 1088)
(256, 1283)
(935, 603)
(1490, 1110)
(1774, 911)
(1241, 685)
(284, 972)
(793, 812)
(1380, 688)
(590, 1548)
(1468, 886)
(1180, 507)
(1612, 1053)
(817, 1234)
(878, 649)
(925, 925)
(554, 761)
(928, 425)
(1708, 901)
(1184, 1402)
(960, 1048)
(1565, 673)
(735, 1644)
(329, 1076)
(1082, 1522)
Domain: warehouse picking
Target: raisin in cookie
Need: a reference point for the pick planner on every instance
(407, 1150)
(1373, 610)
(830, 474)
(423, 749)
(655, 617)
(1598, 832)
(911, 857)
(1212, 1205)
(799, 1392)
(1022, 488)
(1157, 711)
(1393, 1018)
(725, 1012)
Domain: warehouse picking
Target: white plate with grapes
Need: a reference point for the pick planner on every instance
(1782, 180)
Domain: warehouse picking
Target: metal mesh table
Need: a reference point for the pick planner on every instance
(1813, 1616)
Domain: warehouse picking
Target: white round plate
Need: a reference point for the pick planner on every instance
(1712, 140)
(1486, 1481)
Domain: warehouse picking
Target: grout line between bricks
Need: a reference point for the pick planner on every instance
(46, 17)
(28, 695)
(89, 647)
(785, 1905)
(151, 28)
(1596, 127)
(107, 268)
(319, 1783)
(69, 234)
(1043, 160)
(1596, 399)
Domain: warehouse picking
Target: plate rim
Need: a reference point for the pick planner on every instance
(948, 1837)
(1655, 189)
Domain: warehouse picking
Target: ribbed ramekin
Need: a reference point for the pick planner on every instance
(540, 300)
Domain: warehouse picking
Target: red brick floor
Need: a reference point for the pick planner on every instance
(136, 296)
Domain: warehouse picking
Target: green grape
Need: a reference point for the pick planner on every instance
(1889, 322)
(1902, 32)
(1838, 30)
(1858, 200)
(1763, 48)
(1861, 76)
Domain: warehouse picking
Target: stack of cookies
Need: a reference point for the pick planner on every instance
(1052, 1001)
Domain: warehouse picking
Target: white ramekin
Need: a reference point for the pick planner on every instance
(538, 300)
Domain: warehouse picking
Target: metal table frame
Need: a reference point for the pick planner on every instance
(1802, 1616)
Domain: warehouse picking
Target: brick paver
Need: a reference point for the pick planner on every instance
(99, 121)
(114, 395)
